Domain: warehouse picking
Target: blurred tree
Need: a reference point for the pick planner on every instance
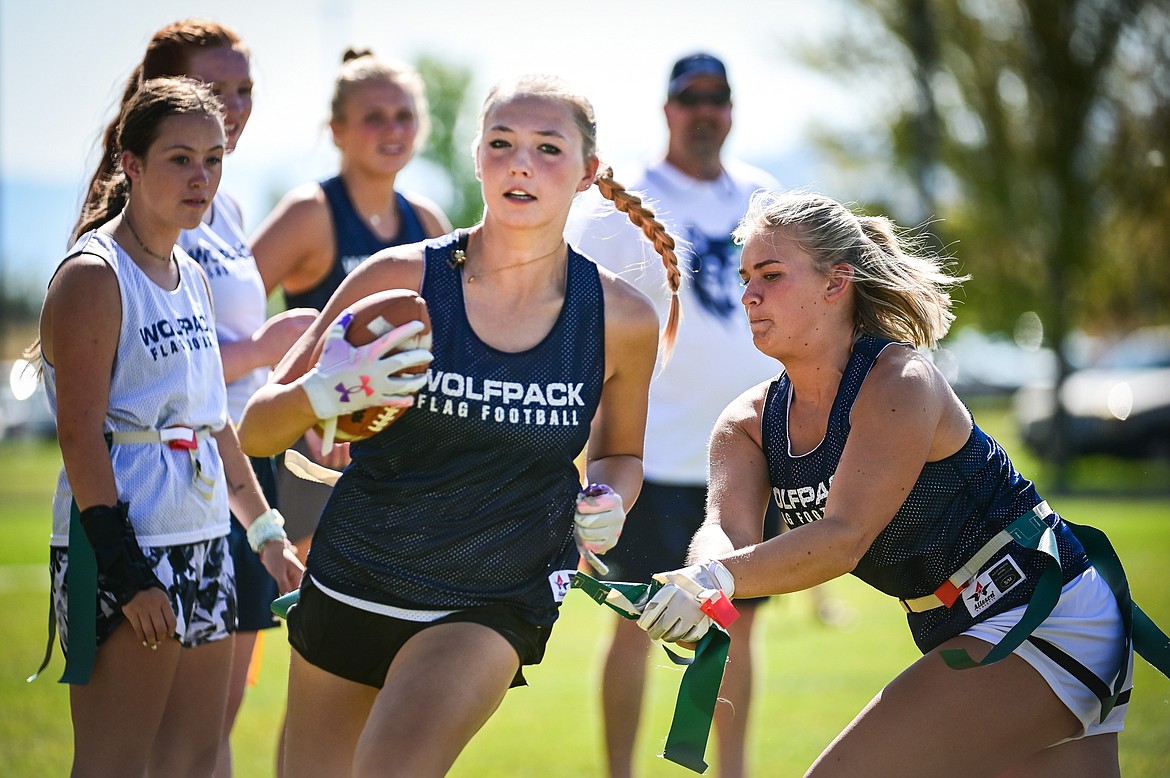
(1038, 131)
(449, 146)
(20, 310)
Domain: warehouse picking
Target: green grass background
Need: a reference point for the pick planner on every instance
(811, 679)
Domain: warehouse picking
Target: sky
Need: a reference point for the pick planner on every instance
(63, 64)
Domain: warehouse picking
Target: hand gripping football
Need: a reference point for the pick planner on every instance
(374, 316)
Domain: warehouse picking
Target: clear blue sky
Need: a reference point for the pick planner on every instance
(63, 62)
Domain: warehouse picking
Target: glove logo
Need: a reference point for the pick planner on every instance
(346, 391)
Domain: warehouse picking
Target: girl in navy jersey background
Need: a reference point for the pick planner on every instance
(880, 471)
(319, 232)
(441, 559)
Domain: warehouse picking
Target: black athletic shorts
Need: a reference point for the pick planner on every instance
(659, 529)
(358, 645)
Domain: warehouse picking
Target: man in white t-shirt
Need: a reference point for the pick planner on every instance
(700, 197)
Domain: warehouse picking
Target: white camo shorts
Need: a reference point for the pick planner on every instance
(199, 579)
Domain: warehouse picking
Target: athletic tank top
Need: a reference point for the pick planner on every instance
(166, 373)
(237, 290)
(955, 507)
(468, 499)
(355, 242)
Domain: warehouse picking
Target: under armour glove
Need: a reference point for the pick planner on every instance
(122, 566)
(349, 378)
(690, 599)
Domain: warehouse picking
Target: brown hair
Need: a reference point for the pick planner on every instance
(135, 130)
(625, 201)
(167, 54)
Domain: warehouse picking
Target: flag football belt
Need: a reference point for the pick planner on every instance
(1029, 531)
(699, 689)
(1031, 523)
(81, 577)
(178, 438)
(697, 692)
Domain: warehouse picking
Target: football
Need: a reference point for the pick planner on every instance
(373, 317)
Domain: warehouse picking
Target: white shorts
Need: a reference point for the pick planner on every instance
(1085, 624)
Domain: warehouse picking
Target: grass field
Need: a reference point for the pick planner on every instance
(812, 679)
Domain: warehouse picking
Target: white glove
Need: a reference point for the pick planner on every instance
(676, 612)
(597, 523)
(349, 378)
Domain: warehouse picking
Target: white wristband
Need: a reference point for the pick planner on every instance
(265, 527)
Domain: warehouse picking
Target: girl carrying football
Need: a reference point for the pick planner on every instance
(442, 556)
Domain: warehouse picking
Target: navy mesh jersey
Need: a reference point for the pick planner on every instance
(468, 499)
(955, 507)
(355, 242)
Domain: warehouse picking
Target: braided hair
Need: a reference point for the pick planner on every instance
(624, 200)
(644, 219)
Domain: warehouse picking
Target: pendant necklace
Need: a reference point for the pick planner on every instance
(459, 259)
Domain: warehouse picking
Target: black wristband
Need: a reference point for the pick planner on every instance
(122, 567)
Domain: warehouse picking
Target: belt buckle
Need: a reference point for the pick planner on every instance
(179, 438)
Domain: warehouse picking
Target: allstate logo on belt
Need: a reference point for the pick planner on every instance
(560, 582)
(988, 587)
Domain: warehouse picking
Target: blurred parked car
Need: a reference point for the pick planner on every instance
(1119, 404)
(979, 364)
(24, 406)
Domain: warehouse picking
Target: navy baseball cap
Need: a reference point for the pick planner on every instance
(690, 67)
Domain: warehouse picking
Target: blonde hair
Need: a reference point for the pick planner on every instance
(631, 205)
(360, 66)
(902, 290)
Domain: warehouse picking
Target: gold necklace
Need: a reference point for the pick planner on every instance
(459, 259)
(141, 245)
